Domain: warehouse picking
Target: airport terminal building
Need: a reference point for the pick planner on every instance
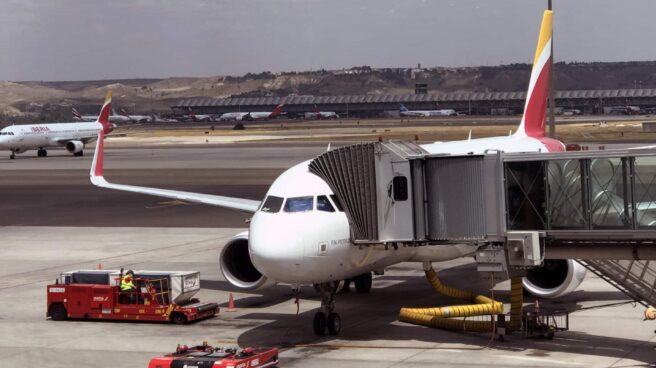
(471, 103)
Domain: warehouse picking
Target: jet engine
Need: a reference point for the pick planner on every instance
(237, 267)
(74, 146)
(556, 277)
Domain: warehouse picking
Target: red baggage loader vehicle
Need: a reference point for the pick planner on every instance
(164, 296)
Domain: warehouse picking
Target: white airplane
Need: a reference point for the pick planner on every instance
(113, 117)
(73, 136)
(321, 115)
(299, 234)
(136, 118)
(252, 116)
(425, 113)
(232, 116)
(199, 117)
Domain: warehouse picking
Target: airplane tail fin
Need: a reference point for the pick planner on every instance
(76, 114)
(402, 108)
(276, 111)
(103, 117)
(534, 119)
(191, 114)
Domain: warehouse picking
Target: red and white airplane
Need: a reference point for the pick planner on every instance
(299, 235)
(198, 117)
(252, 116)
(73, 136)
(321, 115)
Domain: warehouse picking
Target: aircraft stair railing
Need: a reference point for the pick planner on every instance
(636, 279)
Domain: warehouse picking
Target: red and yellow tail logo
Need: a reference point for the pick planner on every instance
(103, 117)
(276, 111)
(534, 119)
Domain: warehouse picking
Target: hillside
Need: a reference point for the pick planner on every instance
(34, 101)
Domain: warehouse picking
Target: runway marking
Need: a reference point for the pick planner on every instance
(541, 360)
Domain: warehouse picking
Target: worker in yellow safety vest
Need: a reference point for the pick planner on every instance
(126, 282)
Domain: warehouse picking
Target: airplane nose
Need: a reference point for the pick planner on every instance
(276, 249)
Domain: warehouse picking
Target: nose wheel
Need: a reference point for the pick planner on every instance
(326, 320)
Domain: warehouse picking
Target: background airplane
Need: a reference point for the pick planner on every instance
(403, 111)
(72, 136)
(232, 116)
(251, 116)
(199, 117)
(136, 118)
(300, 235)
(113, 117)
(316, 114)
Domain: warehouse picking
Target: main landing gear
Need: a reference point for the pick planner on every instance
(41, 153)
(78, 154)
(326, 320)
(12, 155)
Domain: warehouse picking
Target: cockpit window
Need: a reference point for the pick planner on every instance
(337, 204)
(299, 204)
(323, 204)
(272, 204)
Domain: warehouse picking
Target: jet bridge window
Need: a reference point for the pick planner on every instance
(323, 204)
(299, 204)
(272, 204)
(400, 188)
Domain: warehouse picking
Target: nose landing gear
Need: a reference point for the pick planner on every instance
(326, 320)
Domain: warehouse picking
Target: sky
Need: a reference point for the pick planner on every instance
(107, 39)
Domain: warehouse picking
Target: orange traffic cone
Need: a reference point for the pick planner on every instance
(231, 304)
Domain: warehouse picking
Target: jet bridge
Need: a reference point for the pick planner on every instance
(596, 206)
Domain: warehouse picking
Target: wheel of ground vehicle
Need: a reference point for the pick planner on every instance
(58, 312)
(363, 283)
(334, 323)
(178, 318)
(319, 324)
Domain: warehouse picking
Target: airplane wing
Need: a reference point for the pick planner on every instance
(97, 179)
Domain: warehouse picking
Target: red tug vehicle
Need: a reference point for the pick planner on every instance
(205, 356)
(164, 296)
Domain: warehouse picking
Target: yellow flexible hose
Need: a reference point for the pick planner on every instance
(516, 303)
(440, 317)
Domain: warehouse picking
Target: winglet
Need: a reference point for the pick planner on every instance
(535, 108)
(96, 172)
(103, 117)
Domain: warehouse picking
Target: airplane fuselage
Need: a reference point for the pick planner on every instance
(20, 138)
(312, 236)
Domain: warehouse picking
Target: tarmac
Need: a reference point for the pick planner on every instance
(53, 220)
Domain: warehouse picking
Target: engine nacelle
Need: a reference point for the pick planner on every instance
(237, 267)
(20, 150)
(74, 146)
(557, 277)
